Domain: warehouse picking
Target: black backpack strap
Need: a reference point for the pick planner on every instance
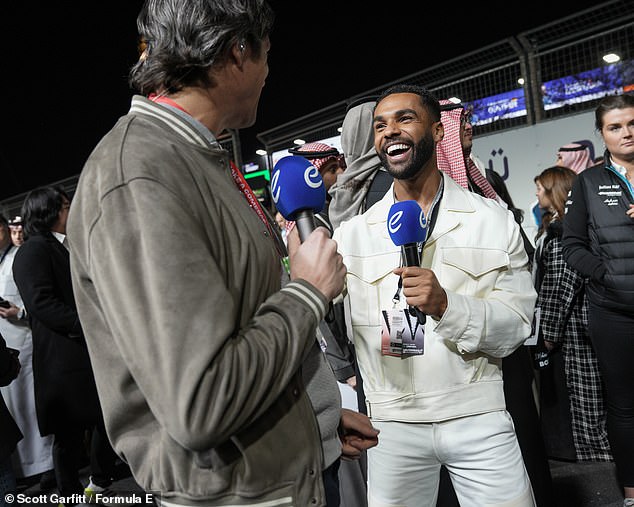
(379, 186)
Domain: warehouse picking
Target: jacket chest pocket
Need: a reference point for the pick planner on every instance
(371, 285)
(468, 270)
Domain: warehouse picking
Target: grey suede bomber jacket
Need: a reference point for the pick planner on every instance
(196, 350)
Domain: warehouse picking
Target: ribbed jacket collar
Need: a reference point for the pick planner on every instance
(181, 123)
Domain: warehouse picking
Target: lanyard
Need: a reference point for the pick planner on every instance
(255, 205)
(244, 187)
(397, 295)
(431, 222)
(239, 180)
(241, 183)
(408, 313)
(161, 99)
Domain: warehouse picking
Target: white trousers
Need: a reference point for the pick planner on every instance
(480, 452)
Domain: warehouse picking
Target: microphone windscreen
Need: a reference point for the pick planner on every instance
(406, 223)
(296, 185)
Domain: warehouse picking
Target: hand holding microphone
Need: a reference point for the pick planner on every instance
(407, 227)
(298, 192)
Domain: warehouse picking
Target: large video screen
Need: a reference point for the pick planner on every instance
(610, 79)
(497, 107)
(589, 85)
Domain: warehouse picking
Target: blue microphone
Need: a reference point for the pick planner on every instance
(298, 192)
(407, 227)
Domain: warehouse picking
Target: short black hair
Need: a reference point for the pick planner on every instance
(428, 99)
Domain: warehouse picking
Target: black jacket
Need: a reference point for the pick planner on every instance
(65, 390)
(598, 237)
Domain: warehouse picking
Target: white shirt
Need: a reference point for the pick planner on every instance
(61, 238)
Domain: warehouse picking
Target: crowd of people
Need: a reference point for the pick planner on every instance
(164, 320)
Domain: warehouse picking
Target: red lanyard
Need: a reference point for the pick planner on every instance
(241, 183)
(165, 100)
(244, 187)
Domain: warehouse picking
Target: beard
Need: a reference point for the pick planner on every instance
(421, 154)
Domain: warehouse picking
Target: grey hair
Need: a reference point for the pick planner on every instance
(184, 39)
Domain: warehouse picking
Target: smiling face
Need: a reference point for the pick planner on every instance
(405, 136)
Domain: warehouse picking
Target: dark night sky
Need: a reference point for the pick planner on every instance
(64, 74)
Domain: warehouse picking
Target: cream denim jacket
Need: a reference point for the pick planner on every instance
(477, 254)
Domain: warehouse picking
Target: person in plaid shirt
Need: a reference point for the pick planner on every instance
(571, 401)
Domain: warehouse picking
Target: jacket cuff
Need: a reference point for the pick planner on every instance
(307, 293)
(343, 374)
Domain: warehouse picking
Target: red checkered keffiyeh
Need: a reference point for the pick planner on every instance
(451, 159)
(480, 180)
(316, 147)
(317, 162)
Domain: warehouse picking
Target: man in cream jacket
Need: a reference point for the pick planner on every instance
(435, 391)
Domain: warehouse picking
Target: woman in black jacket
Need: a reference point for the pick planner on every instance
(598, 241)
